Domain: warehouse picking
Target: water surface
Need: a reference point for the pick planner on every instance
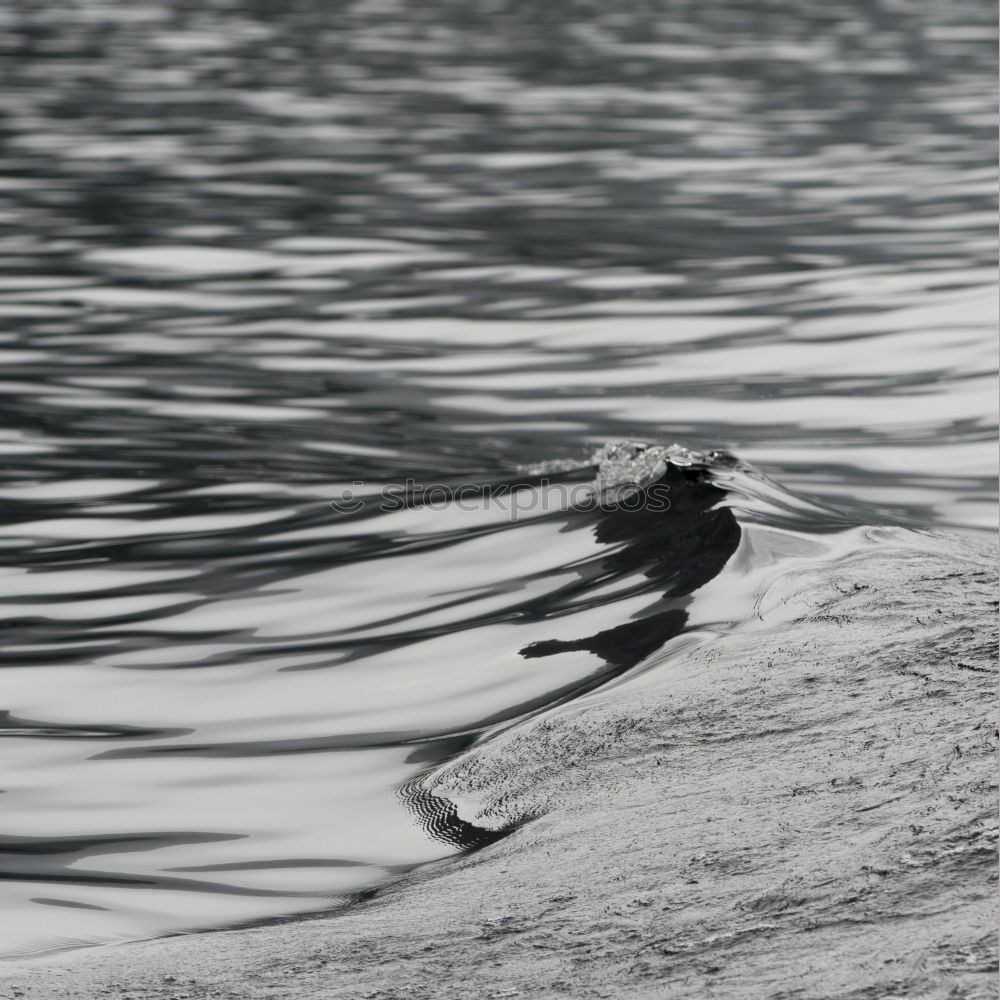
(257, 254)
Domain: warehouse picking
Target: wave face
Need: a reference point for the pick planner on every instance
(257, 256)
(290, 680)
(276, 719)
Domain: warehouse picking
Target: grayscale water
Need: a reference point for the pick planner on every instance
(256, 252)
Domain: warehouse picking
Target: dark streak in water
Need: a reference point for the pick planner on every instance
(11, 725)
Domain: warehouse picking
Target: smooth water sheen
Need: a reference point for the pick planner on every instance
(258, 254)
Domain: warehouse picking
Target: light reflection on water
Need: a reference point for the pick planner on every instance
(255, 252)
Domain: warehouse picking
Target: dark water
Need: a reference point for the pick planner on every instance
(255, 253)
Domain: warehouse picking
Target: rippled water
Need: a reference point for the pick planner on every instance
(257, 254)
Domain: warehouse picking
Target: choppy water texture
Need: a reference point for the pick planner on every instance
(255, 253)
